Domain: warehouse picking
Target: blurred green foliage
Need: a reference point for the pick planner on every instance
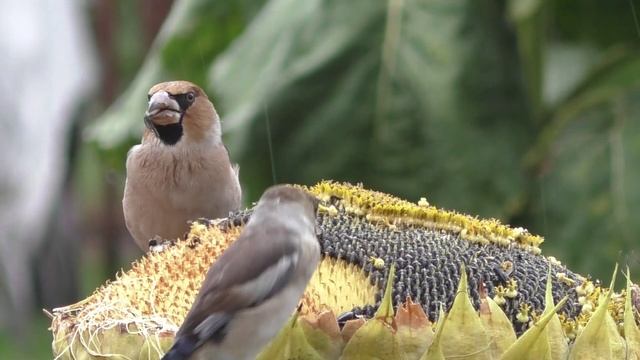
(523, 110)
(35, 346)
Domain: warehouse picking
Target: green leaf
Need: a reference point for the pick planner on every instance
(530, 21)
(403, 95)
(586, 193)
(616, 74)
(191, 37)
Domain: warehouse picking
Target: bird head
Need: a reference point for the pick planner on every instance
(305, 203)
(180, 109)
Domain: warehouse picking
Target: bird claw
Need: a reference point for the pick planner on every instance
(158, 244)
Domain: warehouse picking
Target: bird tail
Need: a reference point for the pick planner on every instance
(182, 349)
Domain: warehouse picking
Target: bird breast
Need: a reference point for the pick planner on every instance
(166, 187)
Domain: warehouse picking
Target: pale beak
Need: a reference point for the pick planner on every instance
(162, 110)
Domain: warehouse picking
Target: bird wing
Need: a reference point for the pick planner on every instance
(254, 268)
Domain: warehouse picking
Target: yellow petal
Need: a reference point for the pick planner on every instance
(600, 338)
(463, 334)
(434, 352)
(323, 334)
(631, 332)
(118, 342)
(414, 330)
(376, 338)
(531, 344)
(290, 343)
(385, 311)
(553, 340)
(498, 326)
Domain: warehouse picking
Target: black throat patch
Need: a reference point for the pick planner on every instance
(169, 134)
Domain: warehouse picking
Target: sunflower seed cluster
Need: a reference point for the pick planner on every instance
(428, 263)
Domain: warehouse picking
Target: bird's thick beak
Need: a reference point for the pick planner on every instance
(162, 110)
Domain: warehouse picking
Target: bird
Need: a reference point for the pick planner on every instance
(181, 170)
(254, 287)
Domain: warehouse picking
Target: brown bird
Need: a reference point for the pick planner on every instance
(255, 285)
(181, 170)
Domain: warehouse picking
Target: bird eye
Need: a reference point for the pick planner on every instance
(148, 96)
(190, 97)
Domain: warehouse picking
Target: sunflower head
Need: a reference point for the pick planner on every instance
(397, 280)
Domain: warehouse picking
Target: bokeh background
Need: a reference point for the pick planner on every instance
(523, 110)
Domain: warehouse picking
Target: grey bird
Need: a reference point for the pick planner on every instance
(181, 171)
(253, 288)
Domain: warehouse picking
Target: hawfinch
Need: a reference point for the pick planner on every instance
(254, 287)
(181, 170)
